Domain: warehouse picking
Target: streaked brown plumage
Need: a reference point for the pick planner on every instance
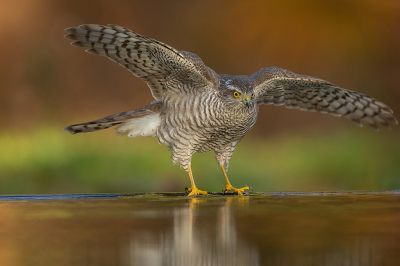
(198, 110)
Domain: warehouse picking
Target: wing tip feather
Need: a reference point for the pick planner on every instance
(70, 30)
(77, 43)
(92, 51)
(394, 121)
(70, 130)
(71, 36)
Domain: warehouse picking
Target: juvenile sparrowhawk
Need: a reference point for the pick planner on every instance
(198, 110)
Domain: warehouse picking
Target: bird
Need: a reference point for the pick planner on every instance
(198, 110)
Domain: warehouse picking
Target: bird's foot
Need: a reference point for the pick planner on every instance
(195, 191)
(238, 191)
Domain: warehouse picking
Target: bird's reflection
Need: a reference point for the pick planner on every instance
(198, 237)
(279, 231)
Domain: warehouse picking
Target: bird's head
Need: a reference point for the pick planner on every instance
(237, 92)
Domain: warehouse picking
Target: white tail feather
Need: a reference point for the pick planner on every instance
(145, 126)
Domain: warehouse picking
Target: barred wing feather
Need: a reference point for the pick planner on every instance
(154, 62)
(278, 86)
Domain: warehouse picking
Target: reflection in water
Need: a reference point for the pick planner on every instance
(156, 230)
(195, 242)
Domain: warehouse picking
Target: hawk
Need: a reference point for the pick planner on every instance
(198, 110)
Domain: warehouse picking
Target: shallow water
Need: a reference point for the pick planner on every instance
(336, 228)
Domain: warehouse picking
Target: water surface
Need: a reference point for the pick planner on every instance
(330, 228)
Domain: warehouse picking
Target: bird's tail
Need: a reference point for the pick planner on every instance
(91, 126)
(132, 123)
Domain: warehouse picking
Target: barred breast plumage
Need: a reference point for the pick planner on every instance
(200, 122)
(198, 110)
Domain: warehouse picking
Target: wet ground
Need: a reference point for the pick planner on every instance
(331, 228)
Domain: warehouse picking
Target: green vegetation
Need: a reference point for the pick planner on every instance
(51, 161)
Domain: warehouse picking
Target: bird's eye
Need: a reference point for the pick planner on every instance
(252, 95)
(236, 94)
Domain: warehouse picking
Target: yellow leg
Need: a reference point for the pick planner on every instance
(194, 190)
(230, 187)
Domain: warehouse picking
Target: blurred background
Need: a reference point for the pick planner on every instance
(47, 84)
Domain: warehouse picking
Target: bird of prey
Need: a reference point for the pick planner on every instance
(198, 110)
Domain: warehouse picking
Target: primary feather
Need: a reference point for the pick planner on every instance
(274, 85)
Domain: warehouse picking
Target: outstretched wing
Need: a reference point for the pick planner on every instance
(162, 67)
(278, 86)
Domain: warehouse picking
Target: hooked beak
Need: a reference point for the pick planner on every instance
(247, 101)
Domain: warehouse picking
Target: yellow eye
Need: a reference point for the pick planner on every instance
(236, 94)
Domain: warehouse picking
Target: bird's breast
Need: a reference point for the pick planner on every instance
(202, 123)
